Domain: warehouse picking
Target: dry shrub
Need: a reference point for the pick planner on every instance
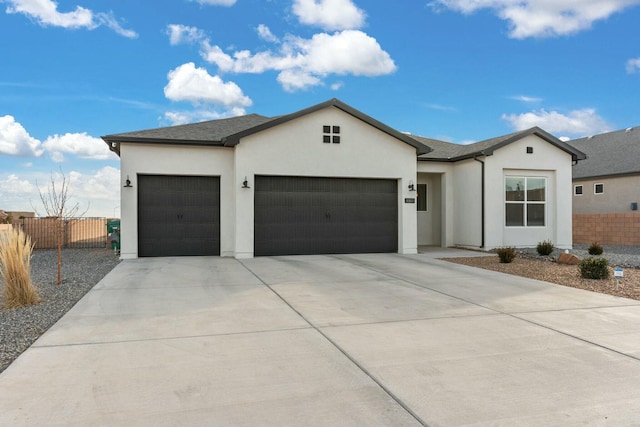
(15, 269)
(506, 255)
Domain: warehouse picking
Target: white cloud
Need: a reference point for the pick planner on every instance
(541, 18)
(337, 85)
(265, 34)
(110, 21)
(179, 34)
(183, 117)
(97, 190)
(633, 66)
(303, 63)
(329, 14)
(526, 99)
(78, 144)
(294, 80)
(576, 122)
(16, 141)
(103, 184)
(45, 12)
(440, 107)
(11, 184)
(196, 85)
(217, 2)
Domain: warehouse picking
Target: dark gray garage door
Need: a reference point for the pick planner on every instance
(302, 215)
(178, 215)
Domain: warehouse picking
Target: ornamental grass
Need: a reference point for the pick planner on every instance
(15, 269)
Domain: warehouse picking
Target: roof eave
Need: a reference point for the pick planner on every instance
(576, 155)
(234, 139)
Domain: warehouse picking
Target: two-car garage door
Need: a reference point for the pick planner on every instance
(308, 215)
(180, 215)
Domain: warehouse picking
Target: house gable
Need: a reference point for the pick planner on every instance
(448, 152)
(229, 132)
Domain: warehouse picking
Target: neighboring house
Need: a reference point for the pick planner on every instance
(606, 188)
(330, 179)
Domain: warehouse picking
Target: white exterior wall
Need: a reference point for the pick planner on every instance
(467, 213)
(545, 161)
(296, 149)
(445, 170)
(174, 160)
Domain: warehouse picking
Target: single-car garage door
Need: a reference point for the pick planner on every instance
(306, 215)
(178, 215)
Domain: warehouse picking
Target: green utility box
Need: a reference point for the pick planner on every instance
(113, 232)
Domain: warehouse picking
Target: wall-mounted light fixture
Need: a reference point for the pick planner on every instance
(245, 183)
(128, 183)
(411, 186)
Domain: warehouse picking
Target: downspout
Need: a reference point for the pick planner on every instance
(482, 201)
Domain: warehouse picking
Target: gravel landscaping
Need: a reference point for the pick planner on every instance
(81, 270)
(529, 264)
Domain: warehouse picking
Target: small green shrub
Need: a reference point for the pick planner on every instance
(545, 248)
(506, 255)
(595, 249)
(594, 268)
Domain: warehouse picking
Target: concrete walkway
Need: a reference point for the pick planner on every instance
(371, 340)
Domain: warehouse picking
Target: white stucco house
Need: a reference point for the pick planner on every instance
(330, 179)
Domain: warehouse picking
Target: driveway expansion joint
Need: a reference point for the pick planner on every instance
(343, 352)
(512, 315)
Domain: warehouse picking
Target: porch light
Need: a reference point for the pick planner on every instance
(245, 183)
(412, 187)
(128, 183)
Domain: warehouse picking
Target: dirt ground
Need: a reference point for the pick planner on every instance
(565, 275)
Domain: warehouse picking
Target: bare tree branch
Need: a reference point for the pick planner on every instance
(55, 202)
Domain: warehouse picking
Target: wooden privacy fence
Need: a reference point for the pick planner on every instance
(77, 232)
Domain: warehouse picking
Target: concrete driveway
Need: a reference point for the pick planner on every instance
(345, 340)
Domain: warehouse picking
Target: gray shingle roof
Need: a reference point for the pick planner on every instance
(228, 132)
(609, 154)
(211, 131)
(446, 151)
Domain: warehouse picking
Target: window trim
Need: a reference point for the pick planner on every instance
(525, 203)
(575, 190)
(595, 185)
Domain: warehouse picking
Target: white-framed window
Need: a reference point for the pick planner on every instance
(577, 190)
(525, 201)
(598, 188)
(423, 205)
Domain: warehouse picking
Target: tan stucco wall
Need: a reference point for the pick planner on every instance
(617, 197)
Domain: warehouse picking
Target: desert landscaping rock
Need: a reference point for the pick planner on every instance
(81, 270)
(529, 264)
(568, 259)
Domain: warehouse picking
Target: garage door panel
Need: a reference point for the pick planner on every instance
(306, 215)
(178, 215)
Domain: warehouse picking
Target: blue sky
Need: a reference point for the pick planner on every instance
(457, 70)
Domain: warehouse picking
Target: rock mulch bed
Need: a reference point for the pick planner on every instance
(81, 270)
